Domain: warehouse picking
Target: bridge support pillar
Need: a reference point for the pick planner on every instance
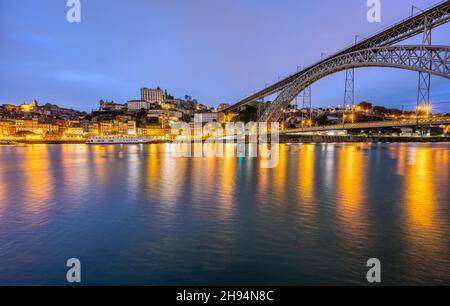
(349, 94)
(307, 104)
(424, 84)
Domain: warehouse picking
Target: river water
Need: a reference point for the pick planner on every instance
(138, 215)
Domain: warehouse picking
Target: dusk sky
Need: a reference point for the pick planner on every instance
(215, 51)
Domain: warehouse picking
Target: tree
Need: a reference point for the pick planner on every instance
(167, 95)
(248, 114)
(380, 110)
(141, 117)
(323, 120)
(153, 120)
(395, 112)
(365, 105)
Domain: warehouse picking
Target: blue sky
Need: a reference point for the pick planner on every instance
(214, 50)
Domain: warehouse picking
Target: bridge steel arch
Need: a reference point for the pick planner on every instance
(428, 59)
(431, 18)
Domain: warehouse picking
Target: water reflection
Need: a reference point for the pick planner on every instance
(99, 163)
(74, 170)
(3, 189)
(351, 188)
(420, 194)
(306, 162)
(426, 236)
(280, 177)
(37, 188)
(225, 220)
(227, 186)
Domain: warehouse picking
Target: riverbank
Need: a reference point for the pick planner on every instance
(368, 139)
(291, 139)
(13, 142)
(6, 142)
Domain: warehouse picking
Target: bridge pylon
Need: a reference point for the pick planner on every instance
(424, 84)
(349, 94)
(307, 104)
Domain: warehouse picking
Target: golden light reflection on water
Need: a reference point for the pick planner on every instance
(306, 162)
(317, 192)
(75, 172)
(172, 175)
(280, 177)
(166, 175)
(133, 170)
(3, 190)
(329, 151)
(424, 173)
(351, 187)
(442, 166)
(424, 169)
(227, 187)
(423, 226)
(262, 185)
(419, 194)
(99, 164)
(153, 165)
(401, 154)
(37, 179)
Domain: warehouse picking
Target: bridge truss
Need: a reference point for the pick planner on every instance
(425, 59)
(373, 46)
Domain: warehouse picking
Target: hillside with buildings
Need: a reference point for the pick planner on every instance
(151, 115)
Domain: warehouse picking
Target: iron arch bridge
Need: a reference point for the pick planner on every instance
(373, 51)
(427, 59)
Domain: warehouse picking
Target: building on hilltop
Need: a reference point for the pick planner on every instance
(29, 107)
(35, 126)
(6, 128)
(206, 117)
(152, 95)
(223, 106)
(135, 105)
(111, 106)
(24, 107)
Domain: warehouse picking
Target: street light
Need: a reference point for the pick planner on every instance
(419, 108)
(427, 110)
(353, 118)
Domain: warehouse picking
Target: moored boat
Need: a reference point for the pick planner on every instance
(119, 140)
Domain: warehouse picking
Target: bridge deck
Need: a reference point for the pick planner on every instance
(370, 125)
